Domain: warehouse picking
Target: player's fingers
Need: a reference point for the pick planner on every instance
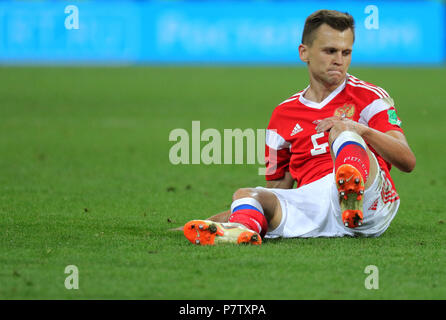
(327, 123)
(324, 126)
(321, 125)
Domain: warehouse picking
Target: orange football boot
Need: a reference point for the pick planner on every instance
(350, 185)
(206, 232)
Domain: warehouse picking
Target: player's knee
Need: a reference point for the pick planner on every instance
(243, 193)
(335, 131)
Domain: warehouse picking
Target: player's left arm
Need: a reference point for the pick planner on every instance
(391, 145)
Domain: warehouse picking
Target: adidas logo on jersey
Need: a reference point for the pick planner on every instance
(296, 129)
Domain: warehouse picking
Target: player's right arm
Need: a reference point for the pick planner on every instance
(277, 156)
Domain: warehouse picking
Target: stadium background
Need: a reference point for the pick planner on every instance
(85, 116)
(198, 32)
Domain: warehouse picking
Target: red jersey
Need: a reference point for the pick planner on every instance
(292, 143)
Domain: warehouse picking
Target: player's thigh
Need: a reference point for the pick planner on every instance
(269, 201)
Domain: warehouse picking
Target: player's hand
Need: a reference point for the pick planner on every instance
(348, 124)
(327, 123)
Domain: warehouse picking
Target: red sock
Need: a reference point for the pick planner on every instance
(353, 153)
(251, 216)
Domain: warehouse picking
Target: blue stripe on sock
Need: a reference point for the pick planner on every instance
(245, 206)
(348, 143)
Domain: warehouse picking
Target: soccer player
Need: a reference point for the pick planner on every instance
(336, 140)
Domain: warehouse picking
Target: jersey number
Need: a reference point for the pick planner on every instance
(318, 148)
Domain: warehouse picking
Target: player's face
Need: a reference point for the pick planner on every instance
(329, 56)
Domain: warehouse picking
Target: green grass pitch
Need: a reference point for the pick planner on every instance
(85, 180)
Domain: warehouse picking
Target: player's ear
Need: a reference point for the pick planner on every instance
(303, 53)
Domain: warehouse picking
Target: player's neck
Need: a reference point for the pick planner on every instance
(318, 90)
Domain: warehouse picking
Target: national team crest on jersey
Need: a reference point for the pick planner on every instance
(346, 111)
(296, 130)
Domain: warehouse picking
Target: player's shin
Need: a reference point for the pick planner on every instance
(249, 212)
(246, 224)
(352, 167)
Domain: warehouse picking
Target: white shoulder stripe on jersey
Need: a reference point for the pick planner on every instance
(275, 141)
(293, 97)
(297, 93)
(358, 81)
(383, 92)
(288, 100)
(374, 108)
(379, 94)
